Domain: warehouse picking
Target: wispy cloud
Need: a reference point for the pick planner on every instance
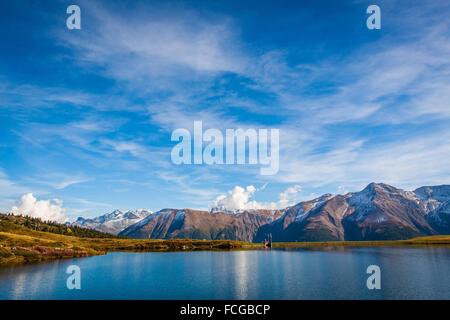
(157, 44)
(57, 181)
(377, 109)
(9, 191)
(408, 164)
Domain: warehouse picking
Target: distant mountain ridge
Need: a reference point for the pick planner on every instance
(113, 222)
(378, 212)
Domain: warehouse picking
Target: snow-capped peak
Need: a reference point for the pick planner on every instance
(115, 221)
(304, 208)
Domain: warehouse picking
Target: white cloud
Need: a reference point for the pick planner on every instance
(288, 196)
(47, 210)
(242, 199)
(238, 198)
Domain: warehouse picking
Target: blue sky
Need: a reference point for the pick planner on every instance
(86, 115)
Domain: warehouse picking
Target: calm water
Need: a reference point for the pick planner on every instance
(339, 273)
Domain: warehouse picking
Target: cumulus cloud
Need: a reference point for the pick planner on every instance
(289, 196)
(242, 199)
(47, 210)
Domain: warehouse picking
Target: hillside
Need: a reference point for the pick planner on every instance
(9, 222)
(24, 240)
(195, 224)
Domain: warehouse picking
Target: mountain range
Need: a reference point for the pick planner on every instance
(113, 222)
(378, 212)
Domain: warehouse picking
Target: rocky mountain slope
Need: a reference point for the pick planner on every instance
(315, 220)
(379, 212)
(113, 222)
(436, 202)
(174, 223)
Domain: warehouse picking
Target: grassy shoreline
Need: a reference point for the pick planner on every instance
(420, 241)
(26, 246)
(41, 246)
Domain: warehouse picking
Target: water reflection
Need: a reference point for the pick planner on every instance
(326, 273)
(242, 273)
